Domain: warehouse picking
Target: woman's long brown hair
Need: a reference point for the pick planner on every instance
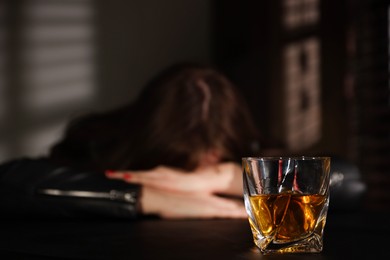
(181, 114)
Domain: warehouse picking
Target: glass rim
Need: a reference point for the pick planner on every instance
(277, 158)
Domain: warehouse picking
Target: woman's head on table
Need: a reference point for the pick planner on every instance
(181, 140)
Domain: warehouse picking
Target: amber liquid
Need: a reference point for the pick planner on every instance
(287, 217)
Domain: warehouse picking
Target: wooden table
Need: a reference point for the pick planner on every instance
(347, 236)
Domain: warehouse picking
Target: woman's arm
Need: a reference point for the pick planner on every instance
(171, 205)
(173, 193)
(222, 178)
(40, 189)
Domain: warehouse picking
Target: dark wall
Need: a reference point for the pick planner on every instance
(250, 44)
(136, 39)
(245, 51)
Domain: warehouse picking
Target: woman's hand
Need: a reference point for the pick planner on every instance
(173, 193)
(171, 205)
(223, 178)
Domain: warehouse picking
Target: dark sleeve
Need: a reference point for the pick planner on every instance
(32, 188)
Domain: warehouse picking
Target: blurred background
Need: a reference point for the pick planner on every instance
(315, 73)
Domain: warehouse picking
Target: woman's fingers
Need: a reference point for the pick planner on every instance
(116, 174)
(166, 179)
(224, 178)
(159, 179)
(132, 177)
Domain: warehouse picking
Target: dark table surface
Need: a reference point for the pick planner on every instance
(347, 236)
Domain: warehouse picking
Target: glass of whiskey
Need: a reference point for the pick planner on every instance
(287, 200)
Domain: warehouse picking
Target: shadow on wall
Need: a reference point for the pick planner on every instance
(64, 58)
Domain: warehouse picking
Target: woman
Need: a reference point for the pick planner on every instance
(181, 141)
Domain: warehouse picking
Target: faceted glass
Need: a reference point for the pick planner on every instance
(287, 200)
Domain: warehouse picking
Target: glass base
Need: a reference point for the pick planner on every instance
(311, 244)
